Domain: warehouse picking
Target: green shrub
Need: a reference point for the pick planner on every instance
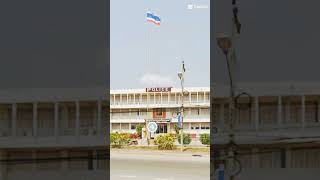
(139, 130)
(118, 140)
(176, 129)
(205, 139)
(165, 142)
(186, 138)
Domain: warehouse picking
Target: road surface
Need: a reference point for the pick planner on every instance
(159, 166)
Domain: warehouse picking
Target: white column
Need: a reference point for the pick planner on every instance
(35, 119)
(56, 119)
(114, 99)
(120, 98)
(190, 98)
(154, 98)
(279, 110)
(127, 98)
(134, 98)
(77, 118)
(161, 97)
(169, 98)
(14, 120)
(204, 96)
(303, 110)
(197, 96)
(99, 129)
(256, 114)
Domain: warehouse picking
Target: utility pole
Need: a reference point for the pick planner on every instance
(181, 76)
(227, 44)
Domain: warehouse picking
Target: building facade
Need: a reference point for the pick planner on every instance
(131, 107)
(53, 133)
(275, 125)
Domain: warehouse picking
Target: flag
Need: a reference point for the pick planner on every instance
(153, 18)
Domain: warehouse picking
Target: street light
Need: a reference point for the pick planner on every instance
(225, 44)
(181, 77)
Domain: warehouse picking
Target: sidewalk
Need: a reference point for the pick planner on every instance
(157, 155)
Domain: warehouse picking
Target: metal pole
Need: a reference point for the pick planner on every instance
(182, 109)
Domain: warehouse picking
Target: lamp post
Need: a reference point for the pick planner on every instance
(181, 77)
(225, 44)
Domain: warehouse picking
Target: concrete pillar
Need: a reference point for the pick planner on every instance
(190, 98)
(197, 96)
(35, 119)
(77, 118)
(127, 98)
(154, 98)
(14, 120)
(161, 97)
(279, 110)
(169, 98)
(120, 98)
(114, 98)
(99, 128)
(134, 98)
(303, 110)
(56, 119)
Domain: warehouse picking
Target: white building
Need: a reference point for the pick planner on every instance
(137, 106)
(64, 129)
(276, 126)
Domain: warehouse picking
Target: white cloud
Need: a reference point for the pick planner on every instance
(155, 80)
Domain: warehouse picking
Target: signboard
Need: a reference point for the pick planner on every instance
(152, 127)
(159, 89)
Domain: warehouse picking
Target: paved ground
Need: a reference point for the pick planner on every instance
(159, 165)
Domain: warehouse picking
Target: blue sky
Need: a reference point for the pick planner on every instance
(144, 55)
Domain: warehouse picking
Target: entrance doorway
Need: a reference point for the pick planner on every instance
(162, 128)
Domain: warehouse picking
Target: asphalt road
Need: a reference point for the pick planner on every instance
(159, 167)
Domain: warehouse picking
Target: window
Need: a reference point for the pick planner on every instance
(195, 126)
(133, 126)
